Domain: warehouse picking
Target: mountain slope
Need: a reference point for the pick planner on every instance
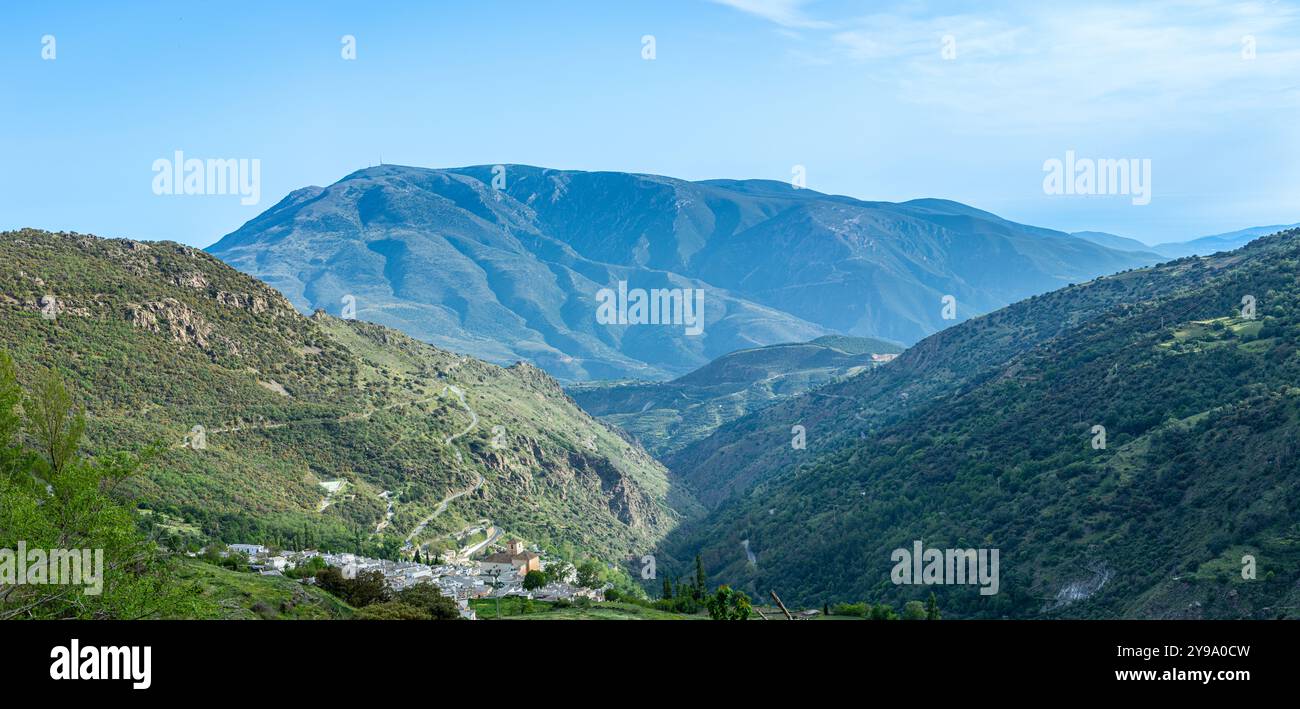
(1201, 246)
(1219, 242)
(159, 338)
(666, 416)
(513, 273)
(982, 436)
(1111, 241)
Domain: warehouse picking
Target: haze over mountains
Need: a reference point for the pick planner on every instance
(1202, 246)
(512, 271)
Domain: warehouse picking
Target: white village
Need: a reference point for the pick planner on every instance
(455, 574)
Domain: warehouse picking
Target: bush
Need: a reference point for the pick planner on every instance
(855, 610)
(365, 589)
(391, 610)
(429, 599)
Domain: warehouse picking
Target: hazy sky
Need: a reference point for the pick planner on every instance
(862, 94)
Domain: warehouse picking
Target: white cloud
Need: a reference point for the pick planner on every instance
(787, 13)
(1059, 63)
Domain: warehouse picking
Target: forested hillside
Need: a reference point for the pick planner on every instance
(255, 406)
(985, 436)
(668, 416)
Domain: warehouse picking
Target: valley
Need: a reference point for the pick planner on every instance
(161, 340)
(793, 466)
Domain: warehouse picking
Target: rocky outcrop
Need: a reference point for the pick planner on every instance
(173, 318)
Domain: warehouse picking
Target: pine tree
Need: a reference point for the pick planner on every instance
(700, 583)
(932, 608)
(668, 589)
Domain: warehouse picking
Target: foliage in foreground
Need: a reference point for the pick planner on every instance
(54, 498)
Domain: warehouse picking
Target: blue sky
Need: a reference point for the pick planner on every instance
(859, 93)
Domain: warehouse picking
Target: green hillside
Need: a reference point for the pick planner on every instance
(667, 416)
(236, 595)
(157, 339)
(982, 437)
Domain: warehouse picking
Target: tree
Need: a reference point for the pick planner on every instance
(429, 599)
(52, 497)
(557, 571)
(883, 611)
(534, 580)
(729, 604)
(54, 426)
(700, 582)
(496, 585)
(932, 608)
(367, 588)
(914, 610)
(589, 574)
(668, 590)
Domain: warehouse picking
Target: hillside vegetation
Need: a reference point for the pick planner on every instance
(667, 416)
(256, 405)
(983, 436)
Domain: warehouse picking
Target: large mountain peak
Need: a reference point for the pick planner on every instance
(507, 262)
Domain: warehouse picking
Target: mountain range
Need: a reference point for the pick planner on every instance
(1128, 444)
(1122, 433)
(508, 262)
(1201, 246)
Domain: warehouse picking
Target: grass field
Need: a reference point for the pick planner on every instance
(247, 596)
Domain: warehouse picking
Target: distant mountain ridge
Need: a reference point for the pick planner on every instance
(667, 416)
(1202, 246)
(505, 262)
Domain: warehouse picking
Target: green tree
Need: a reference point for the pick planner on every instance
(367, 588)
(54, 498)
(729, 604)
(932, 608)
(883, 611)
(668, 590)
(534, 580)
(589, 574)
(914, 610)
(429, 598)
(557, 571)
(496, 584)
(701, 584)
